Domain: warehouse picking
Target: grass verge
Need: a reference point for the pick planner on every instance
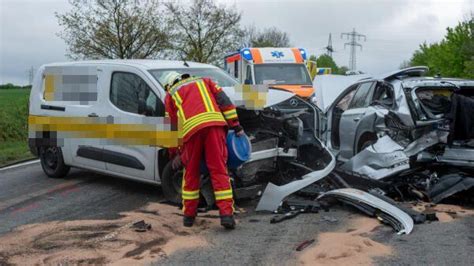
(14, 151)
(14, 125)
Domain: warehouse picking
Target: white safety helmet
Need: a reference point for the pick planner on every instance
(170, 78)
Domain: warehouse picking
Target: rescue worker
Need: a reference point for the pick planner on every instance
(205, 112)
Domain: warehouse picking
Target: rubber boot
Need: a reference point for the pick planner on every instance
(228, 222)
(188, 221)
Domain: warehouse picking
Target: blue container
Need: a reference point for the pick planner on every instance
(238, 150)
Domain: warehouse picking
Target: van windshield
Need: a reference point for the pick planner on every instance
(285, 74)
(217, 75)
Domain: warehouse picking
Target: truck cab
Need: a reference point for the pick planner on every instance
(282, 68)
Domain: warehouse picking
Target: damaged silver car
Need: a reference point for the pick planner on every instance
(409, 134)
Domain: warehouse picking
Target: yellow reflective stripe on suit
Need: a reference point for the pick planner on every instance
(223, 194)
(201, 118)
(205, 96)
(190, 195)
(230, 114)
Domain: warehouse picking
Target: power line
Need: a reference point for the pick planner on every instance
(353, 37)
(31, 75)
(329, 48)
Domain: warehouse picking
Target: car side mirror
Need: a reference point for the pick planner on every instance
(247, 82)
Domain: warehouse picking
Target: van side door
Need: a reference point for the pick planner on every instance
(131, 98)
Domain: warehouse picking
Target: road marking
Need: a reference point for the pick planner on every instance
(19, 165)
(15, 201)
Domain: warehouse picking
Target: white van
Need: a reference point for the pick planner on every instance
(108, 116)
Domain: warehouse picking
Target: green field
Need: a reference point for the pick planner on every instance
(14, 125)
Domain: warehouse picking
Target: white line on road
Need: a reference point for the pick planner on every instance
(19, 165)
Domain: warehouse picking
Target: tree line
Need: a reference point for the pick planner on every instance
(200, 31)
(453, 56)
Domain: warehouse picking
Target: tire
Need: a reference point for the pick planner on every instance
(52, 162)
(365, 142)
(171, 181)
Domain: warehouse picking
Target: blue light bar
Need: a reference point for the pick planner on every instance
(303, 53)
(246, 54)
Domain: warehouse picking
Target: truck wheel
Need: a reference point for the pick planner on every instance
(52, 162)
(171, 181)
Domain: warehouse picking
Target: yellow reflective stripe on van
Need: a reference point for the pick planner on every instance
(223, 194)
(230, 114)
(205, 96)
(201, 118)
(49, 88)
(98, 128)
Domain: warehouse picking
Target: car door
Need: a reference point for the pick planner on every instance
(131, 98)
(352, 116)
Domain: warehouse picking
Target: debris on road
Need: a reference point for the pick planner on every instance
(285, 216)
(329, 219)
(141, 226)
(274, 195)
(374, 207)
(442, 212)
(304, 245)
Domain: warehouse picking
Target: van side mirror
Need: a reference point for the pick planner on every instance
(247, 82)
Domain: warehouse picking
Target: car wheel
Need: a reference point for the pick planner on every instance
(52, 162)
(365, 142)
(171, 181)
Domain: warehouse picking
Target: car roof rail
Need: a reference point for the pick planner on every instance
(416, 71)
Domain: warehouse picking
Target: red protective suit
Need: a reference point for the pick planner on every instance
(203, 111)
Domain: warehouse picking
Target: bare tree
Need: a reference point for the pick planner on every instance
(268, 37)
(205, 30)
(114, 29)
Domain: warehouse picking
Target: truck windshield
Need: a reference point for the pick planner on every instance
(285, 74)
(217, 75)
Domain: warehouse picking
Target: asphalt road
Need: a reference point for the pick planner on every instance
(28, 196)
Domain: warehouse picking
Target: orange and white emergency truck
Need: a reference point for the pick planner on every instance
(282, 68)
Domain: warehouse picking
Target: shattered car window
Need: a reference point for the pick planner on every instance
(362, 97)
(383, 95)
(435, 101)
(344, 102)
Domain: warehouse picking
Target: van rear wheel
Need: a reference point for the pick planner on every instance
(52, 162)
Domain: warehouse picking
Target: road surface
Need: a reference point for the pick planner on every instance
(27, 196)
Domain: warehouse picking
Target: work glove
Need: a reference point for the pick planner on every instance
(176, 163)
(239, 131)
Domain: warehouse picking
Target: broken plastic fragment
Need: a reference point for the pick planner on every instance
(274, 195)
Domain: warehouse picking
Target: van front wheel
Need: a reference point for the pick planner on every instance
(171, 181)
(52, 162)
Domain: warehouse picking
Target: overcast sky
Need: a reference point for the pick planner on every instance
(394, 29)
